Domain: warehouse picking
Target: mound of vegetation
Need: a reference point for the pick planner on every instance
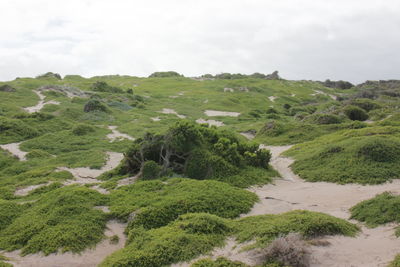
(383, 208)
(7, 88)
(49, 75)
(265, 228)
(366, 156)
(355, 113)
(95, 105)
(395, 262)
(196, 152)
(321, 118)
(156, 203)
(82, 129)
(63, 219)
(219, 262)
(14, 130)
(189, 236)
(165, 74)
(337, 84)
(366, 104)
(101, 86)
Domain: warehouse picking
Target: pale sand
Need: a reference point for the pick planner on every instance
(14, 149)
(87, 175)
(213, 113)
(248, 135)
(229, 90)
(40, 104)
(210, 122)
(117, 135)
(171, 111)
(128, 181)
(155, 119)
(88, 258)
(317, 92)
(272, 98)
(26, 190)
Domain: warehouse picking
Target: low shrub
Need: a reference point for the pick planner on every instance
(380, 149)
(82, 129)
(165, 74)
(38, 154)
(151, 170)
(366, 104)
(219, 262)
(321, 118)
(95, 105)
(355, 113)
(101, 86)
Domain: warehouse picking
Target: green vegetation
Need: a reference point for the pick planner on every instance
(383, 208)
(156, 203)
(366, 156)
(395, 262)
(223, 262)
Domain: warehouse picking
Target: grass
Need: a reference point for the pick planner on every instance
(383, 208)
(156, 203)
(223, 262)
(367, 156)
(395, 262)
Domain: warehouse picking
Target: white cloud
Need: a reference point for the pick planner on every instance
(304, 39)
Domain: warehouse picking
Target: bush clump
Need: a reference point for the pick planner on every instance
(380, 149)
(101, 86)
(83, 129)
(49, 75)
(383, 208)
(156, 203)
(219, 262)
(151, 170)
(355, 113)
(95, 105)
(165, 74)
(14, 130)
(324, 119)
(7, 88)
(366, 104)
(189, 236)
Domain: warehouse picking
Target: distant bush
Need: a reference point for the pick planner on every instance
(380, 149)
(129, 91)
(355, 113)
(101, 86)
(95, 105)
(82, 129)
(38, 154)
(219, 262)
(151, 170)
(366, 104)
(165, 74)
(338, 84)
(13, 130)
(7, 88)
(322, 118)
(49, 75)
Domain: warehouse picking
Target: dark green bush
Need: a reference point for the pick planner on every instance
(321, 118)
(83, 129)
(380, 149)
(101, 86)
(151, 170)
(95, 105)
(219, 262)
(165, 74)
(366, 104)
(38, 154)
(355, 113)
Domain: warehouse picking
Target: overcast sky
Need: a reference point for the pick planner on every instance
(352, 40)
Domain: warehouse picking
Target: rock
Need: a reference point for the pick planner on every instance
(273, 76)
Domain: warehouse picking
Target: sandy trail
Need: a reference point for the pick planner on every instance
(26, 190)
(373, 247)
(14, 149)
(41, 103)
(88, 258)
(317, 92)
(214, 113)
(171, 111)
(272, 98)
(117, 135)
(248, 135)
(210, 122)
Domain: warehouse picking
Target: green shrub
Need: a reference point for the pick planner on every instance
(101, 86)
(366, 104)
(380, 149)
(82, 129)
(165, 74)
(395, 262)
(156, 203)
(355, 113)
(321, 118)
(49, 75)
(95, 105)
(219, 262)
(189, 236)
(381, 209)
(13, 130)
(38, 154)
(151, 170)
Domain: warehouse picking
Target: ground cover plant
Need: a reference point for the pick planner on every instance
(368, 156)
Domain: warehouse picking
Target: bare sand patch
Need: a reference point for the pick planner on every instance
(88, 258)
(117, 135)
(318, 92)
(171, 111)
(231, 90)
(250, 135)
(272, 98)
(14, 149)
(210, 122)
(41, 103)
(26, 190)
(128, 181)
(215, 113)
(155, 119)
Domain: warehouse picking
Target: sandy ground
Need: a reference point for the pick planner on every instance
(231, 90)
(117, 135)
(128, 181)
(155, 119)
(248, 135)
(14, 149)
(88, 258)
(272, 98)
(213, 113)
(317, 92)
(26, 190)
(171, 111)
(40, 104)
(210, 122)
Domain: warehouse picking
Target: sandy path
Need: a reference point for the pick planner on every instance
(214, 113)
(372, 248)
(210, 122)
(171, 111)
(272, 98)
(88, 258)
(117, 135)
(248, 135)
(41, 103)
(317, 92)
(26, 190)
(14, 149)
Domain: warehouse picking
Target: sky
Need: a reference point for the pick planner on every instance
(354, 40)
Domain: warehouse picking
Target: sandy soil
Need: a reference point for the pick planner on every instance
(128, 181)
(117, 135)
(213, 113)
(171, 111)
(88, 258)
(14, 149)
(155, 119)
(248, 135)
(40, 104)
(317, 92)
(87, 175)
(210, 122)
(26, 190)
(229, 90)
(272, 98)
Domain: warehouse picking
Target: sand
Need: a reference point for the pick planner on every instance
(155, 119)
(229, 90)
(317, 92)
(14, 149)
(248, 135)
(88, 258)
(117, 135)
(26, 190)
(171, 111)
(210, 122)
(272, 98)
(40, 104)
(213, 113)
